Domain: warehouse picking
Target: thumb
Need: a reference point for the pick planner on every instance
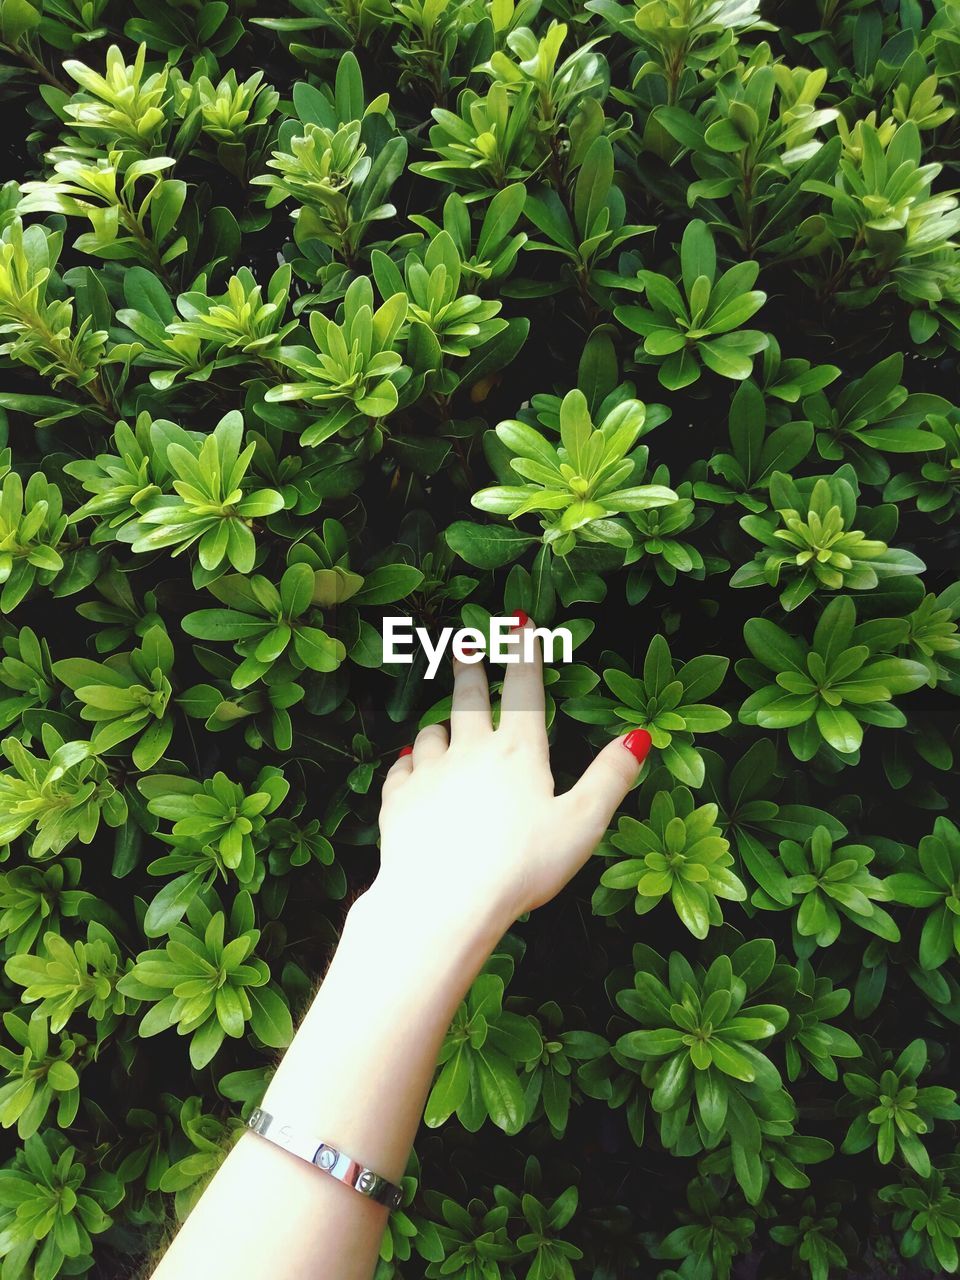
(601, 789)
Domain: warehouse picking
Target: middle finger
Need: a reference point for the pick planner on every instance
(470, 708)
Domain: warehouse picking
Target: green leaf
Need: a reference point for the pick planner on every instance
(684, 762)
(649, 1044)
(732, 1061)
(593, 184)
(62, 1076)
(388, 583)
(772, 646)
(17, 17)
(450, 1089)
(486, 546)
(936, 939)
(839, 728)
(205, 1043)
(317, 650)
(270, 1017)
(698, 256)
(500, 1090)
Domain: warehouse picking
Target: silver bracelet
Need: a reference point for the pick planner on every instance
(325, 1157)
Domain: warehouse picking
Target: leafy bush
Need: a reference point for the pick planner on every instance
(641, 317)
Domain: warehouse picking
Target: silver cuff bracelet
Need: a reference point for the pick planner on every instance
(325, 1157)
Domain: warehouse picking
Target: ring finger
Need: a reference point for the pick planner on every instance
(430, 744)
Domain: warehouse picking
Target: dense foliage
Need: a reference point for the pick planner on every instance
(642, 317)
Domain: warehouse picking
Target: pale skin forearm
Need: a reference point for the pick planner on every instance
(357, 1075)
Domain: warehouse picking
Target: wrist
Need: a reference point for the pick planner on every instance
(445, 924)
(401, 967)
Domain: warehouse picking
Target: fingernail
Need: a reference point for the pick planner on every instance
(520, 618)
(468, 650)
(638, 743)
(405, 751)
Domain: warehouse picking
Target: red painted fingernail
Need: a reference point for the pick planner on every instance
(405, 751)
(468, 650)
(520, 618)
(638, 743)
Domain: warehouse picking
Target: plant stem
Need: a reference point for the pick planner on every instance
(30, 59)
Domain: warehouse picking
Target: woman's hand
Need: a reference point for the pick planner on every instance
(471, 837)
(469, 818)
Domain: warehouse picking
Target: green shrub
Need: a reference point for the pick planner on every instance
(641, 317)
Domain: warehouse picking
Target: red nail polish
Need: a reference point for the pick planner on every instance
(520, 618)
(638, 743)
(468, 650)
(405, 751)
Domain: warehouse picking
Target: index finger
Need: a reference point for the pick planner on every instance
(522, 703)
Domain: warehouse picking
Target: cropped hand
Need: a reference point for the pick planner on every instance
(469, 817)
(472, 836)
